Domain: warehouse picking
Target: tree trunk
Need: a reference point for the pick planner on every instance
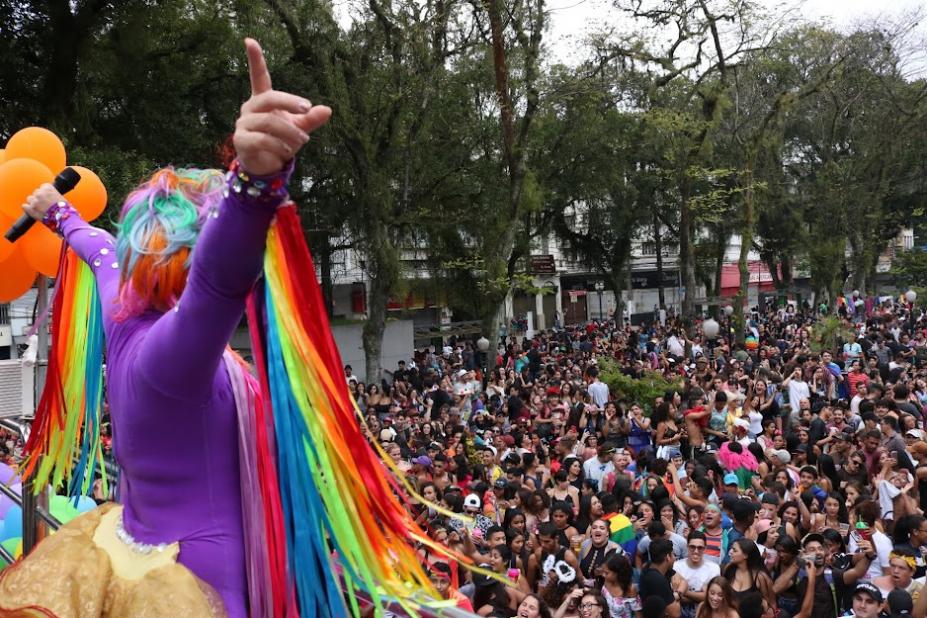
(687, 248)
(719, 265)
(658, 245)
(324, 248)
(372, 335)
(743, 263)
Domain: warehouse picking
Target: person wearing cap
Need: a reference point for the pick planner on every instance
(867, 601)
(829, 593)
(421, 468)
(731, 483)
(900, 604)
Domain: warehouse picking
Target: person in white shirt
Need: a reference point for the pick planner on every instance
(597, 390)
(675, 345)
(597, 468)
(798, 388)
(862, 390)
(697, 571)
(868, 512)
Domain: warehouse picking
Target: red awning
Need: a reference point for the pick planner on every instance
(760, 277)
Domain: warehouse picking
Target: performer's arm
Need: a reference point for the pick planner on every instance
(93, 245)
(185, 346)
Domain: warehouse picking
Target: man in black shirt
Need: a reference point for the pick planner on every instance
(657, 577)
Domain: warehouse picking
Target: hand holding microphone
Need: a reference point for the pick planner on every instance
(41, 200)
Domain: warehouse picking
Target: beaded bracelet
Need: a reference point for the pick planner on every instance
(270, 188)
(58, 212)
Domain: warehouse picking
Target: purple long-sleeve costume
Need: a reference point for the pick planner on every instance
(173, 412)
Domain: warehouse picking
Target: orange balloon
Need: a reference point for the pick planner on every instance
(89, 196)
(16, 276)
(38, 144)
(18, 179)
(2, 155)
(6, 247)
(42, 249)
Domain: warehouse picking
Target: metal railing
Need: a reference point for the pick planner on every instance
(34, 508)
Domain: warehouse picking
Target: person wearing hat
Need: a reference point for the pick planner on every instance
(900, 604)
(731, 484)
(815, 559)
(867, 601)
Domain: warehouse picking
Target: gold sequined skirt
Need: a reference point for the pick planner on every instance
(85, 571)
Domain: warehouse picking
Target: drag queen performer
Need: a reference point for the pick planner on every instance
(173, 285)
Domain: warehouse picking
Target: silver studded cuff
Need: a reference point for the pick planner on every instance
(58, 212)
(262, 189)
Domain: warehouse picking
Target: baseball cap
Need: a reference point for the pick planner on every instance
(435, 446)
(782, 455)
(916, 433)
(730, 479)
(869, 589)
(422, 460)
(812, 536)
(472, 501)
(900, 603)
(499, 484)
(845, 437)
(763, 525)
(801, 448)
(742, 423)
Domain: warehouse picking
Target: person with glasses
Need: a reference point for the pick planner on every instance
(697, 571)
(592, 605)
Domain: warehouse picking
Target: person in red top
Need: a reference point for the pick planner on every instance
(441, 578)
(856, 377)
(697, 417)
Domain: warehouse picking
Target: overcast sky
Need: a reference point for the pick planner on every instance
(571, 19)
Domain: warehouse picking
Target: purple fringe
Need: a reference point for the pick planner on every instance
(252, 508)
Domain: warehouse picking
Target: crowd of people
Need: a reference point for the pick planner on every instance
(782, 478)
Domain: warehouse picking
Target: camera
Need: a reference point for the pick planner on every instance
(842, 561)
(815, 559)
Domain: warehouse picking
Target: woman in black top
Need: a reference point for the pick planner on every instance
(747, 573)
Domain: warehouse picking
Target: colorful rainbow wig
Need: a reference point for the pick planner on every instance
(158, 227)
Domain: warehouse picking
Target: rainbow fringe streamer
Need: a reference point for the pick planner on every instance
(345, 527)
(67, 421)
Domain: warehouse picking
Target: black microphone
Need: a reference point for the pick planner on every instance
(64, 182)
